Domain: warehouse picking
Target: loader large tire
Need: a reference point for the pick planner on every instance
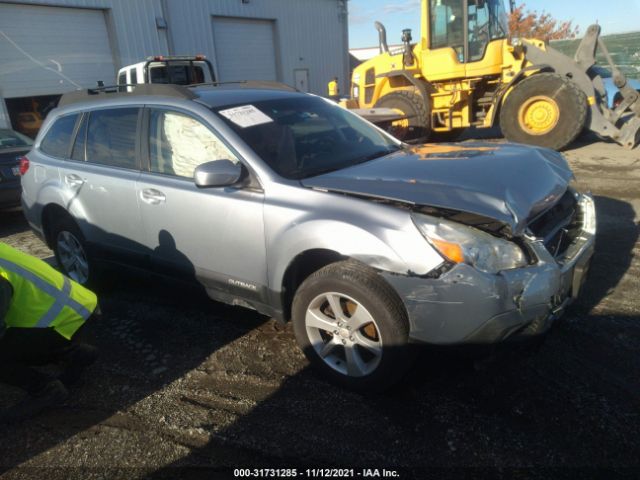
(546, 110)
(417, 126)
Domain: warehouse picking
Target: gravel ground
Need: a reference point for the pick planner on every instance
(186, 387)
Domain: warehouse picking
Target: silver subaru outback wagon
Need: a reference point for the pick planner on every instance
(288, 204)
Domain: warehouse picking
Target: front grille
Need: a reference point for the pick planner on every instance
(559, 226)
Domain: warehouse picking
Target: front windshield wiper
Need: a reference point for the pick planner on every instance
(358, 161)
(379, 153)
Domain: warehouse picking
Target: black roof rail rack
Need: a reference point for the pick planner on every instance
(161, 89)
(249, 84)
(114, 91)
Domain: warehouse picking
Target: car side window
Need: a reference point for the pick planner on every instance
(179, 143)
(78, 152)
(57, 141)
(111, 137)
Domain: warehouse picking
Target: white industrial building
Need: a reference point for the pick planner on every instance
(49, 47)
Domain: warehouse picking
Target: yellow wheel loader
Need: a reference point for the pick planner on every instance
(465, 71)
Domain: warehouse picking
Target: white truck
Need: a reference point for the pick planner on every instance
(180, 70)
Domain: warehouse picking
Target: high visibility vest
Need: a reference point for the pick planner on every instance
(42, 296)
(333, 88)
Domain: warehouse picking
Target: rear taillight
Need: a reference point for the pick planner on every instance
(617, 100)
(24, 165)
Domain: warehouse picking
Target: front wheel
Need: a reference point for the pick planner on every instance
(352, 327)
(416, 127)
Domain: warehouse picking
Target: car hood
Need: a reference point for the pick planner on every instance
(509, 183)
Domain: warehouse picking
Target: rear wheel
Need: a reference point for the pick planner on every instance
(417, 126)
(546, 110)
(352, 327)
(70, 251)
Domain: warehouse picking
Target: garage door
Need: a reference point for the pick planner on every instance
(50, 50)
(245, 49)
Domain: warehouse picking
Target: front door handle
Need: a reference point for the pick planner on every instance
(152, 196)
(73, 180)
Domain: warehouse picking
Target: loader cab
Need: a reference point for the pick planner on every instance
(465, 37)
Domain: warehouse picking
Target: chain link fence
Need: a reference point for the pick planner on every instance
(624, 49)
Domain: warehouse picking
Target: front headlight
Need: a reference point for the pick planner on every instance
(461, 244)
(589, 214)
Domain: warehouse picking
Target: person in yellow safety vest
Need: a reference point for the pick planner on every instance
(334, 89)
(41, 314)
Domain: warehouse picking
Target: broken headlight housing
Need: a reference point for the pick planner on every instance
(461, 244)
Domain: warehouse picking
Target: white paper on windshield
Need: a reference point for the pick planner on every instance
(246, 116)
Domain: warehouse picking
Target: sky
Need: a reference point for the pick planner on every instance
(615, 16)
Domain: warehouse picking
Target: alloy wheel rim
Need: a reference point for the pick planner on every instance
(73, 257)
(344, 334)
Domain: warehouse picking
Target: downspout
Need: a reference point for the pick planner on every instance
(343, 16)
(164, 8)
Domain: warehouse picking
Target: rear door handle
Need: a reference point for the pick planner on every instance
(73, 180)
(152, 196)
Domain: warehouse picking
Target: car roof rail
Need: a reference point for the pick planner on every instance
(119, 91)
(160, 89)
(249, 84)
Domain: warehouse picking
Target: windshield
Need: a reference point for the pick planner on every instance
(9, 139)
(302, 137)
(499, 20)
(487, 22)
(447, 25)
(177, 74)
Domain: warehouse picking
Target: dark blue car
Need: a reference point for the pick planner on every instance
(13, 146)
(614, 97)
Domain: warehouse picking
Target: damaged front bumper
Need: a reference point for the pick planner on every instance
(467, 306)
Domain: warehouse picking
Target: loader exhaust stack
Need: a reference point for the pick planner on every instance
(382, 37)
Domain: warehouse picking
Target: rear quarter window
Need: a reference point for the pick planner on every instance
(111, 137)
(57, 141)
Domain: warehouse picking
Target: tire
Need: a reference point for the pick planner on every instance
(545, 110)
(366, 351)
(69, 247)
(418, 111)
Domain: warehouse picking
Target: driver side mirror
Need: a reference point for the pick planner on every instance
(219, 173)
